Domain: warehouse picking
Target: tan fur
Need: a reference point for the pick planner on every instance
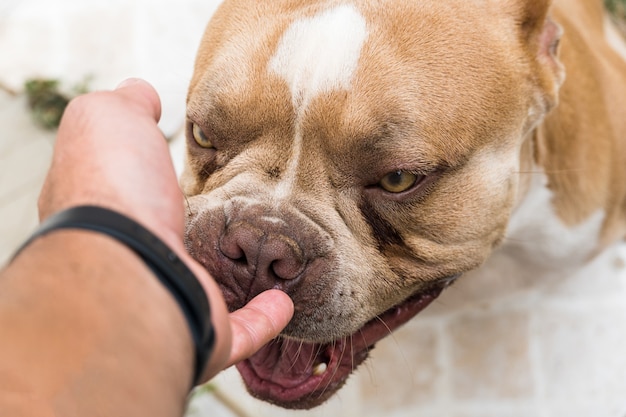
(444, 120)
(582, 144)
(471, 94)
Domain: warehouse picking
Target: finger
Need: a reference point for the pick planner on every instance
(94, 114)
(142, 92)
(260, 321)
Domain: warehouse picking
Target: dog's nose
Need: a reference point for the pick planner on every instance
(251, 248)
(268, 255)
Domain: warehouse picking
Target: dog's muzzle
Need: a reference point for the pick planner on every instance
(250, 248)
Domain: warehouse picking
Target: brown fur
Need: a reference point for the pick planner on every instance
(473, 95)
(582, 144)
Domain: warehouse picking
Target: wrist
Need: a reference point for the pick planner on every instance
(108, 326)
(164, 263)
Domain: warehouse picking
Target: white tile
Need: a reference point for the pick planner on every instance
(31, 47)
(581, 354)
(109, 41)
(24, 166)
(604, 277)
(25, 153)
(205, 403)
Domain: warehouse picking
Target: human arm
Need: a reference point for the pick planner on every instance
(110, 153)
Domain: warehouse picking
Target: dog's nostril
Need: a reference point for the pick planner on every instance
(232, 250)
(242, 260)
(265, 256)
(288, 267)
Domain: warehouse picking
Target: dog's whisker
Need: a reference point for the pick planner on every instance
(319, 368)
(551, 171)
(407, 364)
(297, 355)
(384, 324)
(368, 364)
(316, 354)
(398, 346)
(320, 382)
(352, 352)
(318, 385)
(286, 348)
(191, 213)
(341, 355)
(300, 347)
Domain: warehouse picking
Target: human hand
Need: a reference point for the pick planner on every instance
(111, 153)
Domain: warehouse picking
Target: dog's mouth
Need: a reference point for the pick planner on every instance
(300, 375)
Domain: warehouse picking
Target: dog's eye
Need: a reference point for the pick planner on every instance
(398, 181)
(200, 137)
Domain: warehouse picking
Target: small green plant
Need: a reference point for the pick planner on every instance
(616, 7)
(47, 102)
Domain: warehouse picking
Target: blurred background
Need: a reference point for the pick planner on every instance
(510, 347)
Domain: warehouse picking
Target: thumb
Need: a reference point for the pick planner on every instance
(258, 322)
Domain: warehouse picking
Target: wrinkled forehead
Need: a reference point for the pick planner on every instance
(378, 59)
(311, 50)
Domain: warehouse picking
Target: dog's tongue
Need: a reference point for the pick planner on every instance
(295, 374)
(287, 364)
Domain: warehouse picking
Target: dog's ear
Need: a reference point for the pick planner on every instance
(541, 37)
(530, 16)
(540, 34)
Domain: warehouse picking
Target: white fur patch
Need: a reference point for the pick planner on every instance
(314, 56)
(536, 229)
(321, 53)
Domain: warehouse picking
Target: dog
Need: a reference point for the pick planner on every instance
(362, 156)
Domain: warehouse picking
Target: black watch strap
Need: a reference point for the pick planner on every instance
(165, 264)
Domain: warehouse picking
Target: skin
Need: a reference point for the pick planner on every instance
(82, 319)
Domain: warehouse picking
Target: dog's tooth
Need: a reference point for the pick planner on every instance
(320, 369)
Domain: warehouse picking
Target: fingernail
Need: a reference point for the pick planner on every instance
(128, 83)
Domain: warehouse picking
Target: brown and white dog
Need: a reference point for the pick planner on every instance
(361, 155)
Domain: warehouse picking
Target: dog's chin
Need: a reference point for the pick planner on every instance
(300, 375)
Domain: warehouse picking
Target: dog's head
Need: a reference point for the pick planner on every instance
(358, 156)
